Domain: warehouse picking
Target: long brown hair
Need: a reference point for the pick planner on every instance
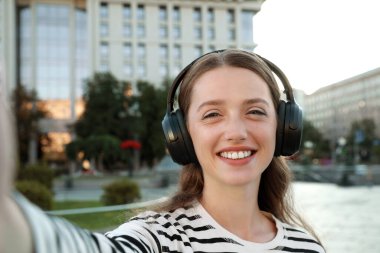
(274, 191)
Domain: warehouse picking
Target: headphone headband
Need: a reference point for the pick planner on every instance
(179, 78)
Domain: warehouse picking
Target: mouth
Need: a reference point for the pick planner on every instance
(236, 155)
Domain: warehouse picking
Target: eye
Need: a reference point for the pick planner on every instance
(258, 112)
(211, 115)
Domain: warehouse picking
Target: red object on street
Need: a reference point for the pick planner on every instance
(130, 144)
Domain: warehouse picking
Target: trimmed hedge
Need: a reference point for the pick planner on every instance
(40, 173)
(120, 192)
(36, 193)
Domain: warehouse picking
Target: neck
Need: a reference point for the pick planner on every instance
(236, 209)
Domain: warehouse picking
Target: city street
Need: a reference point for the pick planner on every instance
(345, 218)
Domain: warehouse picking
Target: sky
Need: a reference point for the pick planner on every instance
(319, 42)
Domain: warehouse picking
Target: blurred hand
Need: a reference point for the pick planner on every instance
(7, 149)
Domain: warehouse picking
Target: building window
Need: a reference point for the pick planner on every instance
(127, 51)
(176, 32)
(211, 48)
(104, 50)
(52, 59)
(103, 29)
(231, 34)
(210, 15)
(141, 52)
(164, 70)
(164, 52)
(81, 51)
(198, 32)
(141, 71)
(104, 66)
(211, 33)
(197, 14)
(176, 14)
(177, 52)
(127, 12)
(103, 10)
(127, 69)
(230, 16)
(197, 51)
(247, 26)
(127, 30)
(163, 32)
(141, 30)
(163, 14)
(140, 12)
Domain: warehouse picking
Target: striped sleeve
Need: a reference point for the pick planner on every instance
(53, 234)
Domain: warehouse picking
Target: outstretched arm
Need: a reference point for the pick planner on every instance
(15, 235)
(24, 228)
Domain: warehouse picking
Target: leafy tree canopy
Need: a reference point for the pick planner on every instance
(312, 136)
(362, 138)
(28, 111)
(151, 103)
(105, 108)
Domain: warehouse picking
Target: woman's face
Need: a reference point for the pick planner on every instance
(232, 123)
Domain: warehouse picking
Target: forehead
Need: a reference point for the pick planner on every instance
(229, 82)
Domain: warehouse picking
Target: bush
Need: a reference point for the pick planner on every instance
(120, 192)
(40, 173)
(36, 193)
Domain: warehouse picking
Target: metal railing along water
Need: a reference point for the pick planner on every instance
(102, 209)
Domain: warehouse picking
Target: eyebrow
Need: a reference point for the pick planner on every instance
(246, 102)
(210, 102)
(256, 101)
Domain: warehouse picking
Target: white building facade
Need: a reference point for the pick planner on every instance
(151, 40)
(332, 109)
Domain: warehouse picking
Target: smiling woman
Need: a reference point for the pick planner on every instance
(226, 121)
(229, 132)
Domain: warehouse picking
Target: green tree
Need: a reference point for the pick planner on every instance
(103, 150)
(318, 145)
(105, 108)
(28, 111)
(151, 104)
(104, 123)
(361, 139)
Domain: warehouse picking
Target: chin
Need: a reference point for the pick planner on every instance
(242, 180)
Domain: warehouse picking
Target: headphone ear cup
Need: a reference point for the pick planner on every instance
(178, 140)
(289, 129)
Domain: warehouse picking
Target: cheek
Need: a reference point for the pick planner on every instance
(266, 134)
(199, 136)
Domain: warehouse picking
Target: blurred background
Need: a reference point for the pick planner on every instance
(88, 83)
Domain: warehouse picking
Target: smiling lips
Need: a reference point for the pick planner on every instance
(235, 155)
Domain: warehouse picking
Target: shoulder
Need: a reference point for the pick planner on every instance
(161, 228)
(298, 239)
(162, 221)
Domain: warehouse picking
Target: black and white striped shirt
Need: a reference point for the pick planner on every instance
(184, 230)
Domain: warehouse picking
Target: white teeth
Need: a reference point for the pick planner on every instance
(235, 154)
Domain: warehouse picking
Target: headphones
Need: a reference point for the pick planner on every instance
(289, 121)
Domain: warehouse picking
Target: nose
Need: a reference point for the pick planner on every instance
(236, 129)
